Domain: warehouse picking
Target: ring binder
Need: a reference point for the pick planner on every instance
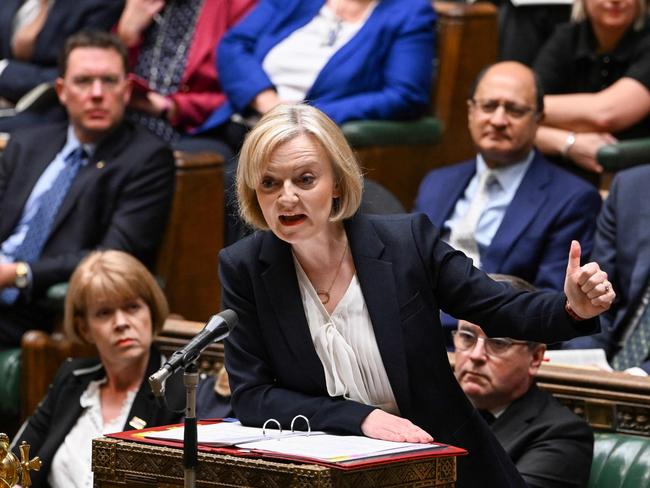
(270, 420)
(310, 446)
(306, 421)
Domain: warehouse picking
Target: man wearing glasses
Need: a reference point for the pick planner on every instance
(550, 446)
(93, 182)
(508, 208)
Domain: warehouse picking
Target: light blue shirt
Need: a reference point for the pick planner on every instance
(500, 194)
(44, 183)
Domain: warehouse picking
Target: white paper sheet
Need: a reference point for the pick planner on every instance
(333, 448)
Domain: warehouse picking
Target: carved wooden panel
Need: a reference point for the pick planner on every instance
(118, 463)
(615, 401)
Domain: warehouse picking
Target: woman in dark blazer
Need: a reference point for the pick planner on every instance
(339, 312)
(114, 303)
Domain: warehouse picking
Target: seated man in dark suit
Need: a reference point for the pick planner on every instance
(550, 446)
(32, 33)
(509, 209)
(98, 182)
(622, 247)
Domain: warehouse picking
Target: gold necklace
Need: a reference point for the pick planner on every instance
(324, 295)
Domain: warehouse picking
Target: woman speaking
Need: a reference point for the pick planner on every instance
(339, 312)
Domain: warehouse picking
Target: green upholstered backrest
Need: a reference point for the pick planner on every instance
(367, 133)
(620, 461)
(10, 382)
(624, 154)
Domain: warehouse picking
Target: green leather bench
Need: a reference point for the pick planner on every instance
(620, 461)
(368, 133)
(9, 383)
(624, 154)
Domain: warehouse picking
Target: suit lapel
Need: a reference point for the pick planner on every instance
(7, 14)
(281, 284)
(56, 17)
(456, 187)
(105, 151)
(328, 76)
(527, 202)
(377, 280)
(144, 410)
(518, 416)
(29, 169)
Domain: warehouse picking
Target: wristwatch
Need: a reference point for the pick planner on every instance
(22, 275)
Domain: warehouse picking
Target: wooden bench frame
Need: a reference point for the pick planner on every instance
(189, 255)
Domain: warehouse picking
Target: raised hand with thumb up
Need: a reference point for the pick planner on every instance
(586, 287)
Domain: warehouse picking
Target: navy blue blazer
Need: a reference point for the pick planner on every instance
(384, 72)
(622, 249)
(550, 208)
(406, 274)
(66, 18)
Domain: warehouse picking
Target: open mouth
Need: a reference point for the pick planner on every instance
(292, 219)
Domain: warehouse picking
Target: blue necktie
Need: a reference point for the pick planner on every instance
(39, 227)
(41, 224)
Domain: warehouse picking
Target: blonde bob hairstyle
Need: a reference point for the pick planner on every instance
(284, 123)
(113, 277)
(579, 12)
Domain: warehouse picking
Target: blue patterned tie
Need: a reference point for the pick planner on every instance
(41, 224)
(39, 227)
(636, 348)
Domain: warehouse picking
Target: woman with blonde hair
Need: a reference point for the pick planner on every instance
(114, 303)
(339, 311)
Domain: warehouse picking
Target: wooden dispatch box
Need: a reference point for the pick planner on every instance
(120, 463)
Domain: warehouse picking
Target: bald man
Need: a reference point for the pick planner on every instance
(508, 208)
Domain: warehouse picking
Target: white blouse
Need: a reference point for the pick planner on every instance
(295, 62)
(72, 463)
(346, 346)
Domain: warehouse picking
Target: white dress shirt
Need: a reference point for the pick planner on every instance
(71, 466)
(500, 194)
(346, 346)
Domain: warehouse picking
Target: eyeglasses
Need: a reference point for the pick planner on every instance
(514, 110)
(85, 83)
(494, 346)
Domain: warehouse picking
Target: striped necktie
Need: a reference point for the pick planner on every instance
(463, 235)
(40, 226)
(636, 347)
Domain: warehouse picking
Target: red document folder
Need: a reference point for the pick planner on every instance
(439, 450)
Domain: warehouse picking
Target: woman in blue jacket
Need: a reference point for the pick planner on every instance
(353, 59)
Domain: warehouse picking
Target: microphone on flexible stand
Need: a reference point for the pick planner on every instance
(217, 328)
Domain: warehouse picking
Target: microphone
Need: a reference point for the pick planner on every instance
(218, 328)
